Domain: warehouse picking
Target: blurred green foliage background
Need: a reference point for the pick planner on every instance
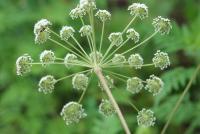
(23, 110)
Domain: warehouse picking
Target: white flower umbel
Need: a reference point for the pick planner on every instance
(86, 30)
(46, 84)
(134, 85)
(146, 118)
(106, 108)
(42, 37)
(140, 10)
(154, 85)
(23, 64)
(70, 59)
(103, 15)
(77, 12)
(116, 38)
(133, 35)
(135, 60)
(118, 59)
(88, 4)
(97, 56)
(47, 57)
(72, 112)
(161, 60)
(80, 82)
(41, 25)
(66, 32)
(163, 25)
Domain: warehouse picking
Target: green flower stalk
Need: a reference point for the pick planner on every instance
(95, 60)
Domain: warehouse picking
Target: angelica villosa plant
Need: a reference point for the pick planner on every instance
(95, 60)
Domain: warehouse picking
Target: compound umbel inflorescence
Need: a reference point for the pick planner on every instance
(95, 57)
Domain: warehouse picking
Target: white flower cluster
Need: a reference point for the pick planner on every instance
(140, 10)
(119, 59)
(66, 32)
(96, 55)
(86, 30)
(88, 4)
(70, 59)
(80, 81)
(146, 118)
(41, 31)
(161, 60)
(133, 35)
(47, 57)
(72, 112)
(110, 82)
(23, 64)
(103, 15)
(135, 60)
(134, 85)
(46, 84)
(116, 38)
(106, 108)
(77, 12)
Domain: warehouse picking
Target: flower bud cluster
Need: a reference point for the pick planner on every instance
(163, 25)
(135, 60)
(116, 38)
(77, 12)
(46, 84)
(41, 31)
(154, 85)
(140, 10)
(66, 32)
(134, 85)
(146, 118)
(72, 112)
(133, 35)
(103, 15)
(47, 57)
(80, 81)
(86, 30)
(23, 64)
(161, 60)
(106, 108)
(70, 59)
(118, 59)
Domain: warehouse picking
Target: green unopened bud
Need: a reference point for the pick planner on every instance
(80, 82)
(154, 85)
(161, 60)
(162, 25)
(134, 85)
(106, 108)
(86, 30)
(135, 60)
(146, 118)
(72, 112)
(103, 15)
(118, 59)
(133, 35)
(70, 59)
(140, 10)
(46, 84)
(23, 64)
(47, 57)
(66, 32)
(116, 38)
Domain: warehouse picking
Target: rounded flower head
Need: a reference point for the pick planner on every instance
(103, 15)
(118, 59)
(110, 82)
(106, 108)
(162, 25)
(136, 61)
(137, 9)
(146, 118)
(161, 60)
(70, 59)
(41, 25)
(77, 12)
(88, 4)
(66, 32)
(47, 57)
(23, 64)
(96, 55)
(134, 85)
(46, 84)
(42, 37)
(116, 38)
(86, 30)
(154, 85)
(72, 112)
(133, 35)
(80, 82)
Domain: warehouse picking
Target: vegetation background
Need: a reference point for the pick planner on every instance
(23, 110)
